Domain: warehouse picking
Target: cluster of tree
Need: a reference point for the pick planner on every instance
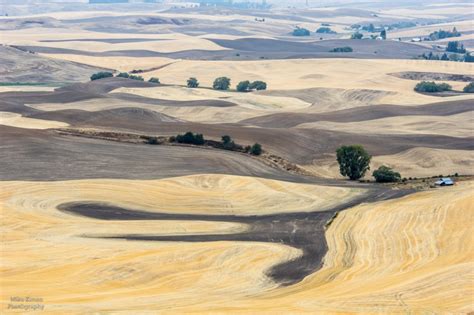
(342, 49)
(229, 144)
(455, 47)
(125, 75)
(101, 75)
(469, 88)
(444, 34)
(451, 57)
(246, 86)
(432, 87)
(354, 162)
(226, 143)
(468, 57)
(299, 31)
(402, 24)
(189, 138)
(223, 83)
(325, 30)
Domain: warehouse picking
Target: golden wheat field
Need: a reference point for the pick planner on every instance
(410, 254)
(236, 157)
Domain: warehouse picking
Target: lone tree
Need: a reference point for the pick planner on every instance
(154, 80)
(353, 161)
(383, 34)
(256, 149)
(192, 83)
(101, 75)
(243, 86)
(357, 35)
(221, 83)
(385, 174)
(258, 85)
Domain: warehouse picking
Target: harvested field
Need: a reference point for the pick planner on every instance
(21, 66)
(109, 205)
(150, 265)
(16, 120)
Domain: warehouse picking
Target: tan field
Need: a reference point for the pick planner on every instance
(107, 208)
(325, 73)
(460, 125)
(16, 120)
(415, 266)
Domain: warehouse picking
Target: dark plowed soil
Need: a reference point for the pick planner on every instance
(258, 48)
(39, 155)
(19, 66)
(302, 230)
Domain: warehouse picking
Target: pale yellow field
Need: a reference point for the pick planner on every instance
(394, 256)
(16, 120)
(247, 100)
(461, 26)
(26, 88)
(317, 73)
(167, 42)
(460, 125)
(416, 162)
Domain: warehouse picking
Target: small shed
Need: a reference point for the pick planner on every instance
(445, 181)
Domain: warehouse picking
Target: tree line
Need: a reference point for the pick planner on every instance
(220, 83)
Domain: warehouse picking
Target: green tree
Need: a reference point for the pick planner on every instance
(469, 88)
(101, 75)
(298, 31)
(385, 174)
(353, 161)
(325, 30)
(256, 149)
(432, 87)
(221, 83)
(383, 34)
(136, 77)
(243, 86)
(192, 83)
(455, 47)
(258, 85)
(444, 57)
(342, 49)
(357, 35)
(190, 138)
(154, 80)
(123, 75)
(468, 57)
(227, 142)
